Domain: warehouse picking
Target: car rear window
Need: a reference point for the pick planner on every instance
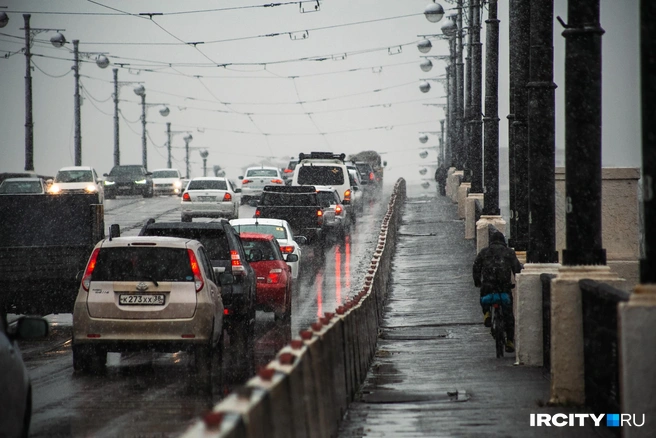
(215, 241)
(266, 246)
(207, 185)
(262, 172)
(165, 174)
(142, 264)
(274, 230)
(321, 175)
(364, 168)
(326, 199)
(295, 199)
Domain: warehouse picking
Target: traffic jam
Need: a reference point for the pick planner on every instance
(180, 288)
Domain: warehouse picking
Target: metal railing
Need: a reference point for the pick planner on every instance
(600, 344)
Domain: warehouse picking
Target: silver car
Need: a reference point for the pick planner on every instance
(255, 179)
(148, 294)
(210, 197)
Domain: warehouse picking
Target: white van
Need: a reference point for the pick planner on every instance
(324, 169)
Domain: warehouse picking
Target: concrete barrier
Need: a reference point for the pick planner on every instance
(306, 390)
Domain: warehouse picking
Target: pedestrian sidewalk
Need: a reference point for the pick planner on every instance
(435, 372)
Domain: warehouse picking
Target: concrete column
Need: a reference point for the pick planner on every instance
(567, 370)
(528, 312)
(470, 214)
(463, 191)
(482, 235)
(454, 177)
(619, 219)
(637, 325)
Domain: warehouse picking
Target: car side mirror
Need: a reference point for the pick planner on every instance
(301, 240)
(240, 177)
(114, 231)
(355, 188)
(105, 174)
(291, 258)
(149, 173)
(226, 278)
(78, 276)
(237, 190)
(31, 327)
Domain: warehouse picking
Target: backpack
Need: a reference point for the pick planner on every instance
(496, 270)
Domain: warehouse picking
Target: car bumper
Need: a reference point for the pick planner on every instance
(133, 334)
(271, 297)
(223, 209)
(251, 192)
(167, 190)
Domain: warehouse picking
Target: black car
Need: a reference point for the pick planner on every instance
(226, 253)
(130, 179)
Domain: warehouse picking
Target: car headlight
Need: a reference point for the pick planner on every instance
(141, 181)
(109, 183)
(91, 188)
(54, 189)
(177, 184)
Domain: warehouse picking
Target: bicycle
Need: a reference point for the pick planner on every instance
(497, 301)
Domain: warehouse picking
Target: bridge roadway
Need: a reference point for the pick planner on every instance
(151, 395)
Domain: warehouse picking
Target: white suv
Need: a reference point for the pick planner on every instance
(167, 182)
(148, 294)
(324, 169)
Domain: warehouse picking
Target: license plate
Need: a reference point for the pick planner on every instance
(124, 188)
(155, 300)
(206, 198)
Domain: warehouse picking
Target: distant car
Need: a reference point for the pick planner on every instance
(357, 193)
(324, 169)
(255, 179)
(167, 182)
(288, 172)
(274, 280)
(210, 196)
(22, 186)
(148, 294)
(15, 385)
(367, 174)
(336, 219)
(77, 179)
(132, 179)
(279, 229)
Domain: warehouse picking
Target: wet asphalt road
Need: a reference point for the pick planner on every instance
(155, 395)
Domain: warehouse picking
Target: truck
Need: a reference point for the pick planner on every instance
(298, 205)
(45, 241)
(373, 158)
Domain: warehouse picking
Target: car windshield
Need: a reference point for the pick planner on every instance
(142, 264)
(126, 170)
(165, 174)
(326, 199)
(297, 199)
(207, 184)
(262, 172)
(265, 246)
(321, 175)
(275, 230)
(73, 176)
(20, 187)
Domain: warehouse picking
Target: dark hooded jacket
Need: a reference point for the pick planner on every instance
(497, 254)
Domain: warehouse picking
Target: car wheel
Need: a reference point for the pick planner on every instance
(148, 193)
(185, 218)
(242, 342)
(244, 200)
(85, 358)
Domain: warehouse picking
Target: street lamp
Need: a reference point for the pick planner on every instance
(187, 138)
(57, 41)
(423, 138)
(140, 91)
(424, 86)
(434, 12)
(424, 46)
(203, 155)
(4, 19)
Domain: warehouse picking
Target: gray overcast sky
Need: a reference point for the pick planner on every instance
(364, 95)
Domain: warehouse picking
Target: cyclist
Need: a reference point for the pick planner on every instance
(493, 270)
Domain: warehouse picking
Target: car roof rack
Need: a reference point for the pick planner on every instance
(289, 189)
(322, 156)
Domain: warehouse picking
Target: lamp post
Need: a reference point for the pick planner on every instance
(140, 91)
(203, 155)
(169, 135)
(187, 138)
(58, 40)
(475, 156)
(117, 85)
(491, 119)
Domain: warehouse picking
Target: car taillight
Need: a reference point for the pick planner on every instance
(287, 249)
(86, 280)
(257, 212)
(235, 262)
(246, 181)
(186, 197)
(227, 197)
(320, 217)
(347, 195)
(195, 269)
(371, 176)
(338, 210)
(274, 276)
(288, 170)
(276, 181)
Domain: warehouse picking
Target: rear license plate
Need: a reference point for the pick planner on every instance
(155, 300)
(206, 198)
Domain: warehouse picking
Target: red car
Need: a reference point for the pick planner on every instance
(274, 278)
